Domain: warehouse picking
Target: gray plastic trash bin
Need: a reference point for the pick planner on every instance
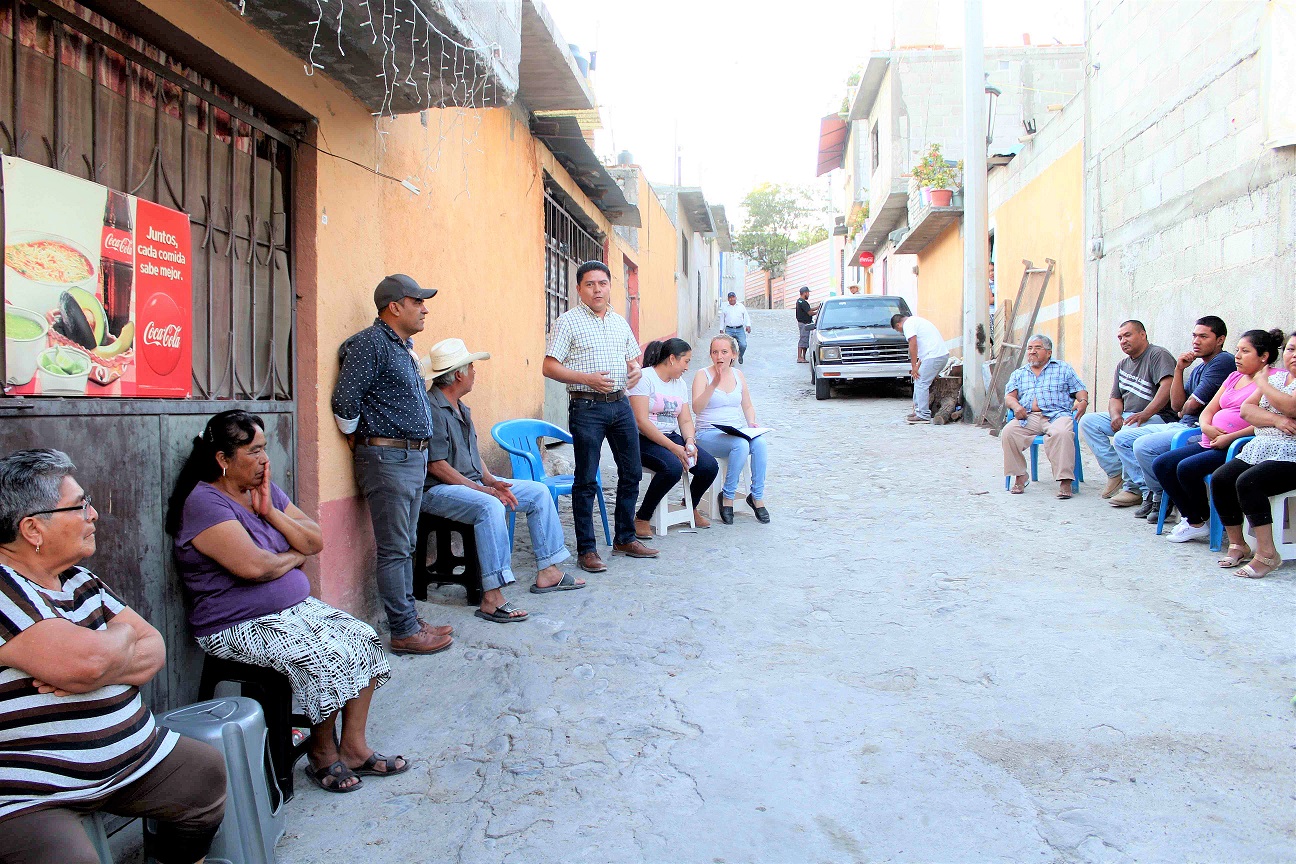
(254, 816)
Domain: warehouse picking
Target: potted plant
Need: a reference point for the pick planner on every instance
(936, 178)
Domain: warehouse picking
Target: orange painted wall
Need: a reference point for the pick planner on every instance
(476, 233)
(1045, 220)
(940, 284)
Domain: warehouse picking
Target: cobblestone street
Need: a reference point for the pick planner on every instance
(908, 664)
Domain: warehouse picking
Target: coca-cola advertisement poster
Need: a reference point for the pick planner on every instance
(98, 288)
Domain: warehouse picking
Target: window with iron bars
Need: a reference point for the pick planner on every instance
(567, 246)
(87, 97)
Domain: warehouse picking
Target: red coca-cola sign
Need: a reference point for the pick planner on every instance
(118, 245)
(163, 292)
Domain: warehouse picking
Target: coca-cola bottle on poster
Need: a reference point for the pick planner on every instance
(117, 262)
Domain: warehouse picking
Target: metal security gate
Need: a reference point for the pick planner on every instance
(567, 246)
(85, 96)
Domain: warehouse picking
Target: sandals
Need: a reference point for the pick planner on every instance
(338, 773)
(389, 769)
(1249, 571)
(1019, 488)
(1064, 494)
(566, 583)
(502, 614)
(1233, 559)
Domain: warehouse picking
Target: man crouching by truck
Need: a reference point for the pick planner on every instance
(927, 357)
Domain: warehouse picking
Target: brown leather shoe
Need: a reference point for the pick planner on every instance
(422, 642)
(590, 562)
(634, 549)
(442, 630)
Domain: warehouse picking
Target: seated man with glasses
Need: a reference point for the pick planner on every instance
(77, 736)
(1046, 398)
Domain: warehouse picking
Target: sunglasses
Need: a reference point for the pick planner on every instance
(84, 507)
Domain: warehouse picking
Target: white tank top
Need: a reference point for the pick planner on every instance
(724, 407)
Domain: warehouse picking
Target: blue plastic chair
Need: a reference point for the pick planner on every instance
(1186, 436)
(521, 440)
(1037, 442)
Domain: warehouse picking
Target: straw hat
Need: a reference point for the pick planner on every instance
(449, 355)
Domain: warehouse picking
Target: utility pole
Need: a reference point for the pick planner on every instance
(976, 215)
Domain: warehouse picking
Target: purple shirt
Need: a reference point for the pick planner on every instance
(218, 598)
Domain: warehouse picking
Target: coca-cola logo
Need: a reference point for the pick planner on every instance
(167, 337)
(118, 245)
(161, 334)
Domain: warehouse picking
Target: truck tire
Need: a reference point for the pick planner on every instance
(823, 389)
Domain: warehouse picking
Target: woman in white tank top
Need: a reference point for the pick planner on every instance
(721, 396)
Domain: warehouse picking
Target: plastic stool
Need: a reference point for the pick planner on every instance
(713, 494)
(273, 691)
(1279, 504)
(94, 827)
(254, 813)
(449, 568)
(665, 516)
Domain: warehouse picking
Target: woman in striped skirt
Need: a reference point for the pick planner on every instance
(240, 544)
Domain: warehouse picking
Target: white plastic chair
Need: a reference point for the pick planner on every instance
(1284, 529)
(713, 494)
(665, 515)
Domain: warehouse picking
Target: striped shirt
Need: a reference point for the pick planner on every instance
(56, 749)
(584, 342)
(1138, 379)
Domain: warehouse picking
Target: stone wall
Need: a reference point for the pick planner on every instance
(1195, 215)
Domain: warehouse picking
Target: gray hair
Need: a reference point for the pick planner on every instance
(445, 379)
(1040, 337)
(29, 481)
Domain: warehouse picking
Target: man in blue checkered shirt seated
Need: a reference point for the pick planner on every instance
(1046, 398)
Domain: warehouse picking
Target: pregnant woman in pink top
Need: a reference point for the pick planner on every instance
(1182, 472)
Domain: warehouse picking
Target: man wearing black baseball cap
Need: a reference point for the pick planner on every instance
(380, 404)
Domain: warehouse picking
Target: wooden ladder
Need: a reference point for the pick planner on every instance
(1008, 355)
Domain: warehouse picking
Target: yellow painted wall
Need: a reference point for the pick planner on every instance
(1045, 220)
(940, 284)
(476, 233)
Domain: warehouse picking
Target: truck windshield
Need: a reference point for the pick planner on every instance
(837, 314)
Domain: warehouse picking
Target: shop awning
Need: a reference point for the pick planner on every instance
(833, 134)
(564, 138)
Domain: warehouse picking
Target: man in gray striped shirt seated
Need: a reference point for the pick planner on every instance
(1140, 401)
(77, 737)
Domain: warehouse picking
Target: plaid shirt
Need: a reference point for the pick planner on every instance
(584, 342)
(1054, 388)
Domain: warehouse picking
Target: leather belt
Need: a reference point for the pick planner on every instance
(393, 442)
(614, 396)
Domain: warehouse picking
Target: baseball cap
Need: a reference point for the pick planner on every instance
(805, 289)
(732, 294)
(398, 286)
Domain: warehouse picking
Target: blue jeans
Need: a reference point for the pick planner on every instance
(590, 423)
(1115, 451)
(927, 372)
(740, 336)
(736, 449)
(668, 469)
(391, 479)
(1148, 447)
(489, 518)
(1182, 474)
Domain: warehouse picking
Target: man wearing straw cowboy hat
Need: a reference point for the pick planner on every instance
(459, 487)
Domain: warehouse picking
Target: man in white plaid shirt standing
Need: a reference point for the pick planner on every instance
(594, 352)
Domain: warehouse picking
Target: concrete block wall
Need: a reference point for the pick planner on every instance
(1196, 216)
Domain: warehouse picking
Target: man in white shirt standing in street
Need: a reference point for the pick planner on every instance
(737, 323)
(594, 352)
(927, 357)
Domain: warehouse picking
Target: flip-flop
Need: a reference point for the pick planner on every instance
(566, 583)
(501, 614)
(338, 771)
(370, 766)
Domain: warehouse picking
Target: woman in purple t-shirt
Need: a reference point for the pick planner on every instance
(240, 544)
(1182, 472)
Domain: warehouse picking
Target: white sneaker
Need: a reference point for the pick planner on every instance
(1183, 532)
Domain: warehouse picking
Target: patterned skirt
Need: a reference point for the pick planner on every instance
(328, 655)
